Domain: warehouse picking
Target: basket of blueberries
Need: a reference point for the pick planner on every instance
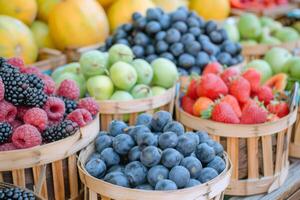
(8, 191)
(155, 158)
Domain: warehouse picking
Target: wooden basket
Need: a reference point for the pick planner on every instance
(73, 54)
(213, 189)
(295, 140)
(6, 185)
(49, 59)
(110, 110)
(49, 170)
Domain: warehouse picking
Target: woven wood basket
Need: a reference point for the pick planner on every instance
(295, 139)
(49, 170)
(74, 54)
(96, 188)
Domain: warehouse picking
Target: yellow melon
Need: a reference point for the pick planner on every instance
(41, 34)
(170, 6)
(44, 8)
(77, 23)
(105, 3)
(211, 9)
(16, 40)
(120, 11)
(24, 10)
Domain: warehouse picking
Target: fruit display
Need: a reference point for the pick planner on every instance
(232, 96)
(33, 111)
(251, 30)
(180, 36)
(7, 192)
(155, 154)
(116, 75)
(256, 5)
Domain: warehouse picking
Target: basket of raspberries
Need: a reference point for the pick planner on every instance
(154, 158)
(250, 118)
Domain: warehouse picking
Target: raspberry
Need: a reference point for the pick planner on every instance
(17, 62)
(89, 104)
(68, 89)
(32, 70)
(49, 87)
(15, 124)
(2, 90)
(80, 116)
(21, 111)
(36, 117)
(7, 147)
(55, 108)
(8, 112)
(26, 136)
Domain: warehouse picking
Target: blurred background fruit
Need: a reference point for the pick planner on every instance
(41, 34)
(44, 8)
(105, 3)
(211, 9)
(169, 6)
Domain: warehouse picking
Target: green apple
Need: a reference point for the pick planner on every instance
(78, 78)
(121, 95)
(262, 67)
(141, 91)
(270, 23)
(277, 57)
(249, 26)
(73, 67)
(120, 52)
(144, 71)
(156, 90)
(294, 68)
(248, 42)
(94, 63)
(289, 63)
(100, 87)
(232, 31)
(287, 34)
(123, 75)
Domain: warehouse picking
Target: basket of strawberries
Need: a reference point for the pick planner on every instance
(41, 129)
(253, 121)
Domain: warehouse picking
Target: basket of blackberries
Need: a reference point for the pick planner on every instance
(155, 158)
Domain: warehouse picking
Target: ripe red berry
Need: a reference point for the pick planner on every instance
(49, 87)
(89, 104)
(253, 113)
(187, 104)
(26, 136)
(213, 68)
(80, 116)
(279, 108)
(7, 147)
(21, 111)
(16, 62)
(55, 108)
(192, 89)
(15, 124)
(32, 70)
(8, 111)
(211, 86)
(240, 89)
(254, 78)
(223, 112)
(68, 89)
(229, 74)
(2, 90)
(265, 94)
(37, 118)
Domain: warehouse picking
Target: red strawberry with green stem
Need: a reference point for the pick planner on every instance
(254, 78)
(229, 74)
(240, 89)
(253, 113)
(233, 102)
(265, 94)
(192, 89)
(279, 108)
(187, 104)
(213, 68)
(211, 86)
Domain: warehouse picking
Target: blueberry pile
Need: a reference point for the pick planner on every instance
(155, 154)
(181, 36)
(16, 193)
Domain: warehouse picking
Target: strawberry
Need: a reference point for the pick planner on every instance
(265, 94)
(272, 117)
(187, 104)
(202, 104)
(211, 86)
(253, 113)
(213, 68)
(229, 73)
(254, 78)
(223, 112)
(192, 89)
(233, 102)
(279, 108)
(240, 89)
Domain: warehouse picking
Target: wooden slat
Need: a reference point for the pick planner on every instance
(58, 180)
(118, 117)
(233, 153)
(132, 118)
(279, 151)
(36, 174)
(73, 176)
(19, 177)
(267, 155)
(188, 129)
(105, 120)
(1, 177)
(297, 131)
(105, 198)
(93, 195)
(215, 138)
(252, 149)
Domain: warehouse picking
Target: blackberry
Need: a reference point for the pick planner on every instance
(60, 131)
(5, 132)
(16, 193)
(70, 105)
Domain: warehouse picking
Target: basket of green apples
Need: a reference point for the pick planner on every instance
(122, 85)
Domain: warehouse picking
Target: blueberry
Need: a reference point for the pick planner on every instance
(136, 173)
(150, 50)
(157, 173)
(182, 71)
(205, 153)
(177, 49)
(173, 35)
(102, 48)
(167, 55)
(136, 16)
(165, 184)
(219, 150)
(138, 51)
(202, 38)
(193, 136)
(223, 34)
(167, 140)
(192, 183)
(187, 37)
(123, 143)
(144, 139)
(233, 61)
(150, 156)
(103, 141)
(110, 157)
(116, 168)
(140, 23)
(216, 37)
(160, 35)
(240, 58)
(192, 22)
(152, 27)
(161, 46)
(165, 21)
(153, 14)
(180, 26)
(218, 164)
(210, 26)
(109, 41)
(159, 120)
(193, 47)
(186, 60)
(127, 27)
(207, 174)
(195, 70)
(123, 41)
(175, 127)
(119, 34)
(230, 48)
(116, 127)
(144, 187)
(95, 156)
(209, 48)
(203, 136)
(224, 58)
(193, 165)
(195, 31)
(180, 175)
(144, 119)
(238, 48)
(117, 178)
(96, 167)
(151, 57)
(179, 15)
(141, 39)
(171, 157)
(186, 145)
(134, 154)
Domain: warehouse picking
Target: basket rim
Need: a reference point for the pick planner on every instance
(84, 175)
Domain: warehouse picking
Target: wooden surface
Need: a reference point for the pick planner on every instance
(290, 190)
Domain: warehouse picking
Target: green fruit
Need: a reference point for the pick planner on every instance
(165, 73)
(249, 26)
(141, 91)
(94, 63)
(232, 32)
(277, 57)
(261, 66)
(156, 90)
(78, 78)
(248, 42)
(287, 34)
(100, 87)
(270, 40)
(121, 96)
(123, 75)
(296, 26)
(270, 23)
(120, 52)
(289, 63)
(144, 71)
(71, 67)
(294, 68)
